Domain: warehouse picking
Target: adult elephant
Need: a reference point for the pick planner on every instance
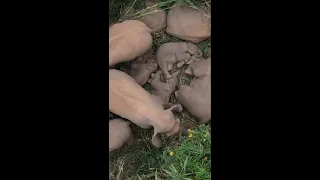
(128, 40)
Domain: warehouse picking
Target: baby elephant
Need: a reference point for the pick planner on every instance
(196, 97)
(164, 89)
(130, 101)
(119, 134)
(172, 52)
(141, 68)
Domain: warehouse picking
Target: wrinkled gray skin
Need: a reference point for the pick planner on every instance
(130, 101)
(141, 68)
(196, 97)
(163, 89)
(172, 52)
(119, 133)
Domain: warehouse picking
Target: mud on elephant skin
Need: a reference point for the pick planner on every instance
(128, 40)
(173, 52)
(120, 133)
(141, 68)
(130, 101)
(196, 97)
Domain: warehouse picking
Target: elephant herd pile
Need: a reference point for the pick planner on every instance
(131, 40)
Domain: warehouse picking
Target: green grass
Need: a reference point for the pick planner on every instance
(191, 158)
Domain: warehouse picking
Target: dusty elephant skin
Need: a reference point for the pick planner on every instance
(128, 40)
(141, 68)
(196, 97)
(172, 52)
(188, 24)
(164, 89)
(155, 18)
(119, 133)
(130, 101)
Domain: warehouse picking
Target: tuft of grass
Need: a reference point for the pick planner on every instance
(191, 158)
(162, 38)
(114, 6)
(203, 6)
(204, 46)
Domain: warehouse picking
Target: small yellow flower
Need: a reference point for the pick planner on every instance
(206, 158)
(189, 130)
(190, 135)
(171, 153)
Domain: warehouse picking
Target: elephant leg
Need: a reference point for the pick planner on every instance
(163, 66)
(167, 74)
(180, 64)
